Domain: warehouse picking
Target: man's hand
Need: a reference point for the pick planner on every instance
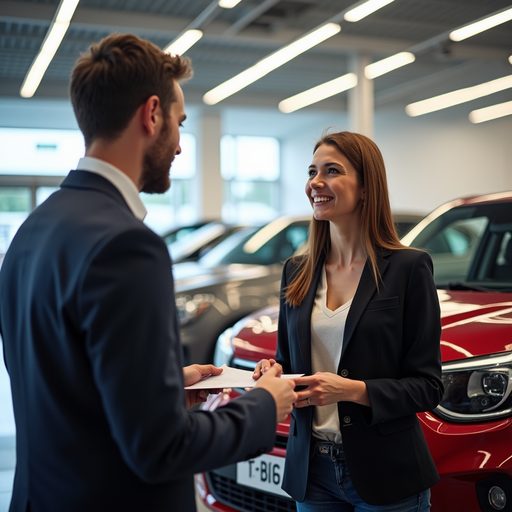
(194, 373)
(280, 389)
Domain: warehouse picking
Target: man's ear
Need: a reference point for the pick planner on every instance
(151, 115)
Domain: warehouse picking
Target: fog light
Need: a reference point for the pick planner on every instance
(497, 497)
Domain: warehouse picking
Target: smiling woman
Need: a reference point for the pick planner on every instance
(334, 188)
(359, 317)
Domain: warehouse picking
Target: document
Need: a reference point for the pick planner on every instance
(231, 378)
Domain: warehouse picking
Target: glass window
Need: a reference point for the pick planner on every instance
(453, 246)
(249, 158)
(43, 193)
(470, 246)
(184, 164)
(40, 152)
(272, 244)
(15, 205)
(250, 167)
(176, 206)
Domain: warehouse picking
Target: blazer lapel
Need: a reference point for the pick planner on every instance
(364, 292)
(304, 318)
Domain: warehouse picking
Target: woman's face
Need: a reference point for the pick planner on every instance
(332, 187)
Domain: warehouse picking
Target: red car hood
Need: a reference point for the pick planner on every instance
(474, 324)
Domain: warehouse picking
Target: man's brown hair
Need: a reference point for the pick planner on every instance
(115, 76)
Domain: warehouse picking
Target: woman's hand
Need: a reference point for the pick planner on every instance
(264, 365)
(324, 388)
(194, 373)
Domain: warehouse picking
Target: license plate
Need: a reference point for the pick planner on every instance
(264, 473)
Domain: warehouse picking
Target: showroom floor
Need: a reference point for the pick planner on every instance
(7, 462)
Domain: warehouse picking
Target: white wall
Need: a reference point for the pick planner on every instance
(32, 113)
(430, 159)
(440, 156)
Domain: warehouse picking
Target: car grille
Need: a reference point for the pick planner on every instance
(228, 492)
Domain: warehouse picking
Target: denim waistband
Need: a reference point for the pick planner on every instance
(327, 449)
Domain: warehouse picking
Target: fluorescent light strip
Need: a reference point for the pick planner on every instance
(457, 97)
(481, 26)
(386, 65)
(228, 4)
(318, 93)
(363, 10)
(184, 42)
(49, 48)
(493, 112)
(268, 64)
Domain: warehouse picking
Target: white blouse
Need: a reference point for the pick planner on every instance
(327, 329)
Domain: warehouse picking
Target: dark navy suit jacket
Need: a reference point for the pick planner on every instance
(91, 344)
(392, 342)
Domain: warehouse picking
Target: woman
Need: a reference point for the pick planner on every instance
(360, 318)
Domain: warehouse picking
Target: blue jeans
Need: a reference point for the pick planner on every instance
(330, 488)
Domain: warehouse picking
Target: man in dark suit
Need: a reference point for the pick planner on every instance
(88, 320)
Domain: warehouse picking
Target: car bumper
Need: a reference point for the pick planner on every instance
(470, 458)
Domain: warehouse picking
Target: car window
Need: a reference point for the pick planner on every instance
(296, 235)
(226, 251)
(260, 247)
(499, 269)
(181, 233)
(470, 245)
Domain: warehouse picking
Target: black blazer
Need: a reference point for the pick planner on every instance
(91, 344)
(392, 342)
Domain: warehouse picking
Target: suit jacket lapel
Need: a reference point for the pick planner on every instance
(364, 292)
(304, 318)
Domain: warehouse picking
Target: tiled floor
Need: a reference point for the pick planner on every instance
(7, 438)
(7, 462)
(6, 478)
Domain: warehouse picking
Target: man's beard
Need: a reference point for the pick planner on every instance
(157, 163)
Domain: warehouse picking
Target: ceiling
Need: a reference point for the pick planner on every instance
(235, 39)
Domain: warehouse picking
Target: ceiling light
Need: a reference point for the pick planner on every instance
(318, 93)
(460, 96)
(270, 63)
(480, 26)
(386, 65)
(493, 112)
(184, 42)
(49, 48)
(363, 10)
(228, 4)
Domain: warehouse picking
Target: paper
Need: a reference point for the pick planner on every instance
(231, 378)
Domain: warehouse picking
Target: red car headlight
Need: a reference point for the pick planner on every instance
(477, 388)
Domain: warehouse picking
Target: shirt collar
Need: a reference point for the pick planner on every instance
(120, 180)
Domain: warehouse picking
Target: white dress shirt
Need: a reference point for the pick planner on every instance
(119, 179)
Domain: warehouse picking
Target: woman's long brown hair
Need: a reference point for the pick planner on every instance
(377, 227)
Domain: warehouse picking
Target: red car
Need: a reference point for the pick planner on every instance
(470, 433)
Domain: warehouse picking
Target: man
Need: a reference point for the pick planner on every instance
(88, 320)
